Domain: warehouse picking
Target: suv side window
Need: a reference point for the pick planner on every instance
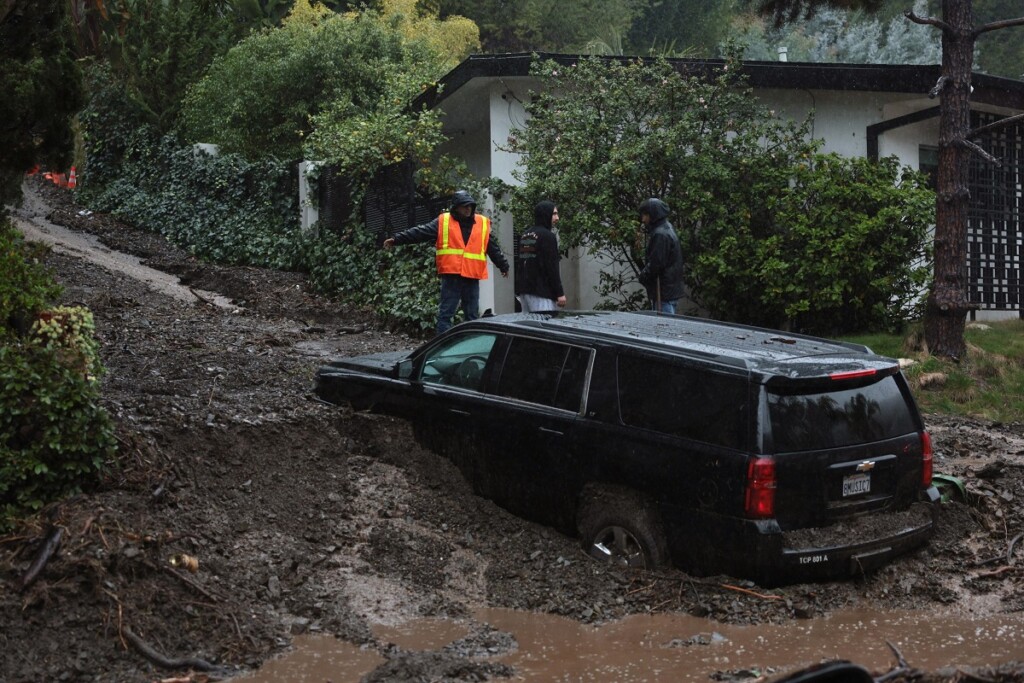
(459, 362)
(683, 401)
(830, 419)
(548, 373)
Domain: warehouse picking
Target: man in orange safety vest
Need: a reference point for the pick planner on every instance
(463, 243)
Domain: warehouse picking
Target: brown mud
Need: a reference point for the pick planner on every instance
(300, 518)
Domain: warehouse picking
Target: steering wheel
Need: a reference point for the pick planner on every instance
(470, 371)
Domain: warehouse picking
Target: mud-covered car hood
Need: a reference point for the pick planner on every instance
(374, 363)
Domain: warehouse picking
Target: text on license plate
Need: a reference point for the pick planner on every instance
(856, 483)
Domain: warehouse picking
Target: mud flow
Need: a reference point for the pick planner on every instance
(667, 647)
(321, 533)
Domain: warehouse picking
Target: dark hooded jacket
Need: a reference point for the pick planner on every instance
(428, 231)
(537, 261)
(663, 264)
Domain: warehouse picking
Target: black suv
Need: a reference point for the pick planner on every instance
(715, 447)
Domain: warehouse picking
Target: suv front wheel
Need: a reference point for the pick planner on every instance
(620, 527)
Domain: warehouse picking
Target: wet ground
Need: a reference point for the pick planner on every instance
(308, 521)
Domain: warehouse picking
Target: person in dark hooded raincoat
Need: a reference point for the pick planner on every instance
(662, 274)
(462, 247)
(538, 282)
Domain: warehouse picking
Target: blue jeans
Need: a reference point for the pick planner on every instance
(456, 290)
(666, 306)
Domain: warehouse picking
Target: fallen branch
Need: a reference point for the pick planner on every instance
(147, 651)
(750, 592)
(968, 676)
(1009, 550)
(901, 665)
(189, 582)
(899, 655)
(995, 572)
(42, 557)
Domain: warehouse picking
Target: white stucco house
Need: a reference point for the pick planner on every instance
(859, 110)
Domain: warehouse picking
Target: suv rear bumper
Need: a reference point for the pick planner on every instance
(762, 552)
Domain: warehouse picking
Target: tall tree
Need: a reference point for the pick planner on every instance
(947, 305)
(696, 26)
(41, 88)
(544, 25)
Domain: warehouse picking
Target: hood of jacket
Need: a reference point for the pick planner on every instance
(461, 198)
(656, 209)
(543, 212)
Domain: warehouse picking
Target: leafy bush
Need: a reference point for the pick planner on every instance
(772, 233)
(222, 208)
(54, 435)
(842, 247)
(399, 285)
(261, 98)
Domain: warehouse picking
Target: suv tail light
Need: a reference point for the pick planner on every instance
(926, 459)
(759, 502)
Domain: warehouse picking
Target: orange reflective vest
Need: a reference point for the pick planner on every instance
(456, 258)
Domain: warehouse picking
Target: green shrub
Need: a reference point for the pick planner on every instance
(54, 435)
(400, 286)
(221, 208)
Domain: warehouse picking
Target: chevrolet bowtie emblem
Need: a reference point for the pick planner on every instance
(866, 466)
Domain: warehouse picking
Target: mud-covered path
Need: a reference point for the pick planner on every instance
(306, 518)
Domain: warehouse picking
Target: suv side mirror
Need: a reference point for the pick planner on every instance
(405, 369)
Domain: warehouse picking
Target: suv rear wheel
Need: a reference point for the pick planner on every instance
(620, 527)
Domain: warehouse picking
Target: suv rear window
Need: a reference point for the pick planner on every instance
(683, 401)
(832, 419)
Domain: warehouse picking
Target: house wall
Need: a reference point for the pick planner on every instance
(841, 120)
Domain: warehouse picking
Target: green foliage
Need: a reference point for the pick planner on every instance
(1000, 52)
(54, 435)
(26, 287)
(41, 88)
(400, 285)
(697, 25)
(108, 122)
(221, 208)
(843, 246)
(545, 25)
(157, 49)
(262, 97)
(748, 193)
(850, 37)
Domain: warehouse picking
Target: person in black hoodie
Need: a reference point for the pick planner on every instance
(662, 274)
(461, 256)
(538, 282)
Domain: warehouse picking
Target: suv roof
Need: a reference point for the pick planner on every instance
(758, 350)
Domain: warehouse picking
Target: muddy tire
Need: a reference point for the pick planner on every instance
(621, 527)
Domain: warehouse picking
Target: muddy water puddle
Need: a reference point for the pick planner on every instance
(676, 648)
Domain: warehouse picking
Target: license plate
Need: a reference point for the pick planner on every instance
(855, 484)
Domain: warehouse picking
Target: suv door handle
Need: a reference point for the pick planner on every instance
(551, 431)
(460, 413)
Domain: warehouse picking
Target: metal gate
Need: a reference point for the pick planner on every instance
(392, 203)
(994, 228)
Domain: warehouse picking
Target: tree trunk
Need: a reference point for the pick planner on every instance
(947, 306)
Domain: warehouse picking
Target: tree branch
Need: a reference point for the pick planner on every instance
(971, 147)
(42, 557)
(927, 21)
(996, 25)
(995, 124)
(147, 651)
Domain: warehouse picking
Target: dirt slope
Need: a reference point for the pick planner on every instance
(305, 517)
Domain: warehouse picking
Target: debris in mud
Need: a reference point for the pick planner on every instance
(306, 518)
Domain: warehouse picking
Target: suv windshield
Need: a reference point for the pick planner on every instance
(832, 419)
